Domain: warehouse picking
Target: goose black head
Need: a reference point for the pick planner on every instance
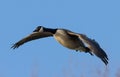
(39, 28)
(44, 29)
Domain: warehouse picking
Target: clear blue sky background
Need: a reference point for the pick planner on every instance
(98, 19)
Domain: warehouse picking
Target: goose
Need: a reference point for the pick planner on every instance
(67, 38)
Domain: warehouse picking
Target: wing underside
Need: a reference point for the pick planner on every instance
(95, 48)
(33, 36)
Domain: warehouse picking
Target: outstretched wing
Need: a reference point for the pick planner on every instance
(94, 47)
(33, 36)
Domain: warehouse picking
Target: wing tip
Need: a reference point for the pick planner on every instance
(15, 46)
(105, 60)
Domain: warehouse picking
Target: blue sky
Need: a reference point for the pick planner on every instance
(98, 19)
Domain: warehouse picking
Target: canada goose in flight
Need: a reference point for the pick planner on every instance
(67, 38)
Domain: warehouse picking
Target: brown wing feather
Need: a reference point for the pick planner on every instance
(33, 36)
(72, 34)
(95, 48)
(82, 44)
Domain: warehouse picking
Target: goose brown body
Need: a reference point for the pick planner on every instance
(69, 41)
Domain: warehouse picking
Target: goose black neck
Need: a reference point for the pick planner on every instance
(50, 30)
